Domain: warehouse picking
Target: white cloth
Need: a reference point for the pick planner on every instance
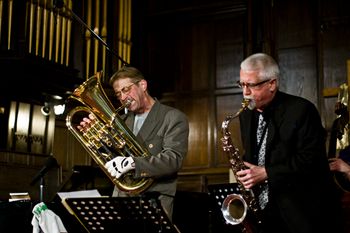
(46, 220)
(120, 165)
(263, 195)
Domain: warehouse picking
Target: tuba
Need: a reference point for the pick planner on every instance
(107, 136)
(235, 206)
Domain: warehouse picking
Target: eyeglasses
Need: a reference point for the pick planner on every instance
(252, 85)
(125, 90)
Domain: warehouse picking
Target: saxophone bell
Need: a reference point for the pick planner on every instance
(234, 209)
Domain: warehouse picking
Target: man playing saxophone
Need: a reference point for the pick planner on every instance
(163, 130)
(285, 155)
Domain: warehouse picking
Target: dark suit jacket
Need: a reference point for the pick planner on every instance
(300, 184)
(165, 134)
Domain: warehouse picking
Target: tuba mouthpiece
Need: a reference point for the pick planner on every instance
(127, 103)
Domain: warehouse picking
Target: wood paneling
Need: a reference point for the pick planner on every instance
(229, 51)
(199, 138)
(298, 72)
(201, 47)
(67, 150)
(295, 23)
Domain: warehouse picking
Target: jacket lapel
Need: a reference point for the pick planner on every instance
(149, 124)
(275, 121)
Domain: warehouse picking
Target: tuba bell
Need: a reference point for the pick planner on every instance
(108, 136)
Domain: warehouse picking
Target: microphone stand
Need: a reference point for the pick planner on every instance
(77, 18)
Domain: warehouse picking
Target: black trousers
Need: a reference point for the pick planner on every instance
(272, 221)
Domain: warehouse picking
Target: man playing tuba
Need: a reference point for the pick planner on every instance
(161, 129)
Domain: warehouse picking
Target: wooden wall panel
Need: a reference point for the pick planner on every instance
(198, 155)
(298, 73)
(295, 23)
(336, 9)
(197, 111)
(161, 75)
(296, 53)
(229, 51)
(201, 47)
(67, 150)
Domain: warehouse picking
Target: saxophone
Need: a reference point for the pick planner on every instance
(235, 206)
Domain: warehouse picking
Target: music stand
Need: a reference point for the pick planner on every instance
(122, 214)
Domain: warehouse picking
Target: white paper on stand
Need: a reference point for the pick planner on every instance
(79, 194)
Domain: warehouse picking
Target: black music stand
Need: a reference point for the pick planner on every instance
(120, 214)
(217, 194)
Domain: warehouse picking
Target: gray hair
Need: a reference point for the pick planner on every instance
(127, 72)
(266, 66)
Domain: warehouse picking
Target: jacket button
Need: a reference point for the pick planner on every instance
(143, 174)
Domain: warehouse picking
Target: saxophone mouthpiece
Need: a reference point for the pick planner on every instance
(249, 103)
(252, 104)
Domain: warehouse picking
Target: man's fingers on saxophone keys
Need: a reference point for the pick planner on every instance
(245, 177)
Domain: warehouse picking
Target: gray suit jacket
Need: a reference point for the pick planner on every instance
(165, 134)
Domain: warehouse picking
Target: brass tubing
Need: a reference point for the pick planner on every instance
(26, 20)
(128, 33)
(125, 27)
(1, 15)
(58, 36)
(10, 10)
(31, 22)
(97, 31)
(69, 31)
(63, 38)
(120, 31)
(104, 32)
(37, 30)
(88, 40)
(45, 23)
(51, 40)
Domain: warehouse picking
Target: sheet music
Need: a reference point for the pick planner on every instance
(79, 194)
